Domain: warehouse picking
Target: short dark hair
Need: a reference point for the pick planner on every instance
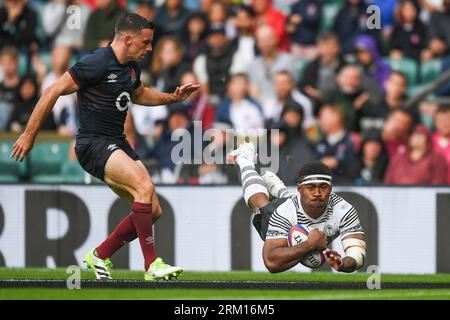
(242, 7)
(400, 74)
(313, 167)
(133, 22)
(327, 36)
(443, 108)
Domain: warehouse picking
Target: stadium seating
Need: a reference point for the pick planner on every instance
(301, 65)
(415, 89)
(72, 172)
(46, 160)
(329, 11)
(430, 70)
(10, 170)
(406, 66)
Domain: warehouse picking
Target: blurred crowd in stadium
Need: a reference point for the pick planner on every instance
(321, 72)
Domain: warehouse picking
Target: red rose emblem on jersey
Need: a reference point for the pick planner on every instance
(133, 75)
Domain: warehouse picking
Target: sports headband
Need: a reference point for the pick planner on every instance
(315, 178)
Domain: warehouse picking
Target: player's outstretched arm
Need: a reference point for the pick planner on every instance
(148, 97)
(355, 250)
(279, 257)
(63, 86)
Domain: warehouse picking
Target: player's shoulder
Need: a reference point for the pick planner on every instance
(283, 206)
(340, 206)
(98, 59)
(289, 206)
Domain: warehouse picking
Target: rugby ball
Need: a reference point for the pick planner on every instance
(298, 234)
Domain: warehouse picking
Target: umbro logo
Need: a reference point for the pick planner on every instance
(149, 240)
(112, 77)
(112, 147)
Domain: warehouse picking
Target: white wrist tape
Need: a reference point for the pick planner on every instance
(356, 249)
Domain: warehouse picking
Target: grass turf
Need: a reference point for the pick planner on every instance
(45, 293)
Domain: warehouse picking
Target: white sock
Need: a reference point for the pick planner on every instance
(252, 183)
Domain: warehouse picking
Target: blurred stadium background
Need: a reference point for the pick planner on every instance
(371, 103)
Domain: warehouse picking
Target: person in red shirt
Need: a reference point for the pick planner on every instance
(266, 14)
(94, 3)
(441, 138)
(418, 164)
(396, 131)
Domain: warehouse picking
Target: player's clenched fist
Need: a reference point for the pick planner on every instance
(22, 146)
(317, 240)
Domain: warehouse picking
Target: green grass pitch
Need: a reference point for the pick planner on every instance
(243, 294)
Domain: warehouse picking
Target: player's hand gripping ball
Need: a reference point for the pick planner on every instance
(298, 234)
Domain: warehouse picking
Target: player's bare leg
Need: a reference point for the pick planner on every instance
(125, 195)
(129, 177)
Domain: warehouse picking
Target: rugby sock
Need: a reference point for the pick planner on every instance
(281, 191)
(142, 219)
(252, 183)
(124, 233)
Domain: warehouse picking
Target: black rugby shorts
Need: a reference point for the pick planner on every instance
(94, 151)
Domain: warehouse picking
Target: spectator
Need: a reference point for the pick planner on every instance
(218, 18)
(171, 18)
(429, 7)
(59, 30)
(350, 23)
(94, 4)
(369, 165)
(387, 8)
(177, 119)
(396, 131)
(9, 84)
(146, 9)
(149, 122)
(350, 95)
(439, 38)
(441, 138)
(216, 172)
(320, 74)
(237, 108)
(294, 147)
(267, 65)
(168, 65)
(64, 109)
(285, 89)
(101, 24)
(267, 15)
(213, 67)
(374, 115)
(409, 35)
(197, 105)
(23, 107)
(336, 148)
(418, 164)
(194, 38)
(304, 25)
(245, 44)
(18, 26)
(370, 59)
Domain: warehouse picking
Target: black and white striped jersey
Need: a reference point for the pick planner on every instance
(339, 219)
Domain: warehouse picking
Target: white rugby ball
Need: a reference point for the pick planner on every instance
(298, 234)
